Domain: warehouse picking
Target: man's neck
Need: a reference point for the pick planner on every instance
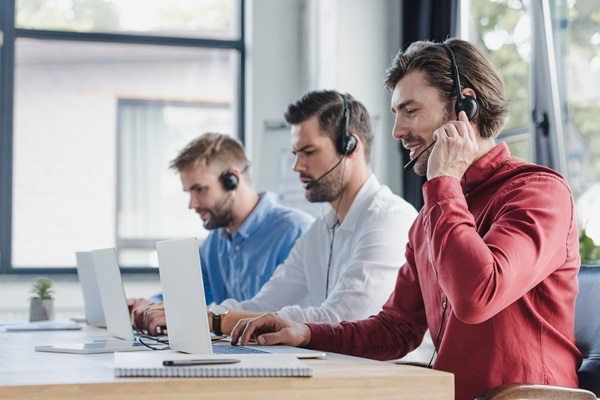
(344, 202)
(485, 145)
(247, 201)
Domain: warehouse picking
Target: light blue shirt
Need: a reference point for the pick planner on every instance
(237, 266)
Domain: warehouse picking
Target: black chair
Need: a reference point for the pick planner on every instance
(587, 327)
(587, 334)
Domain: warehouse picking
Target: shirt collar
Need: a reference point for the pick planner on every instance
(355, 212)
(254, 220)
(483, 168)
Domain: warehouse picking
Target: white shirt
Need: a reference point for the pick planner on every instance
(368, 249)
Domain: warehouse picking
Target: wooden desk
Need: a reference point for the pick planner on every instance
(27, 374)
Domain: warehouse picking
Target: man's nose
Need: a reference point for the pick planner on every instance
(193, 204)
(401, 128)
(298, 164)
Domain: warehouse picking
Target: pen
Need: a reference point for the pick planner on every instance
(205, 361)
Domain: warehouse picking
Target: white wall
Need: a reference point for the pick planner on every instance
(273, 67)
(295, 46)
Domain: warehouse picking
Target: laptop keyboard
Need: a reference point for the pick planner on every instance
(228, 349)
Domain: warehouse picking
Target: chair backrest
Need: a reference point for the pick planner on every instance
(587, 327)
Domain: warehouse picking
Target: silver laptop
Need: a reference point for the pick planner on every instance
(94, 314)
(112, 293)
(185, 305)
(116, 313)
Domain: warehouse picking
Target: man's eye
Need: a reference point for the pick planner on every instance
(410, 113)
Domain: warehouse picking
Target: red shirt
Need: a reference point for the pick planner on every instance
(501, 248)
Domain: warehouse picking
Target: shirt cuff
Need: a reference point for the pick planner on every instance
(441, 188)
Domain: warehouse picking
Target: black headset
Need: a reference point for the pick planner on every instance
(229, 179)
(465, 103)
(346, 144)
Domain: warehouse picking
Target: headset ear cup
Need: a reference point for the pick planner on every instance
(350, 144)
(469, 105)
(230, 180)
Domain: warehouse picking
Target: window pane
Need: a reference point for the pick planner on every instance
(502, 27)
(520, 145)
(70, 137)
(577, 38)
(184, 18)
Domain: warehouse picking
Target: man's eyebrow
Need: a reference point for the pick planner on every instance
(301, 149)
(403, 105)
(193, 187)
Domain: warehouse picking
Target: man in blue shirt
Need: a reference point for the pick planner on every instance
(250, 234)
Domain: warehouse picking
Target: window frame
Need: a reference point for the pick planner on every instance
(9, 33)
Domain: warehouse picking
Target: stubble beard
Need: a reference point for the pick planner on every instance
(327, 190)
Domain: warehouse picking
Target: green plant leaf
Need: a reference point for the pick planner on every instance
(42, 289)
(588, 251)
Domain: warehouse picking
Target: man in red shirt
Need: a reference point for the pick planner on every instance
(492, 259)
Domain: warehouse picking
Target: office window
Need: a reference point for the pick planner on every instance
(181, 18)
(502, 27)
(96, 120)
(576, 26)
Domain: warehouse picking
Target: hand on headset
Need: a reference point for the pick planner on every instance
(455, 149)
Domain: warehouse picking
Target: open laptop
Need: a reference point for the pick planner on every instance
(94, 314)
(114, 304)
(185, 305)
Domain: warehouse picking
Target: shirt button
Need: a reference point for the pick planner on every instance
(237, 247)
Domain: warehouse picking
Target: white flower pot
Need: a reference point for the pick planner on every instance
(41, 310)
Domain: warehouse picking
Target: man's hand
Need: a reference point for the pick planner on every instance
(455, 149)
(135, 303)
(150, 319)
(269, 329)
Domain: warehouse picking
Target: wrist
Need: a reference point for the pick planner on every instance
(218, 313)
(306, 336)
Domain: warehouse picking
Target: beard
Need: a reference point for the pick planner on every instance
(328, 189)
(220, 216)
(420, 167)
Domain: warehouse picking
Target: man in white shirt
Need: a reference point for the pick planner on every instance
(345, 266)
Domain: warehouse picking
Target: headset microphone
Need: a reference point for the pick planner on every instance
(409, 165)
(314, 182)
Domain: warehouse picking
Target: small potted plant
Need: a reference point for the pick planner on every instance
(42, 301)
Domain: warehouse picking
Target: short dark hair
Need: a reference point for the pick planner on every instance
(328, 105)
(476, 71)
(215, 151)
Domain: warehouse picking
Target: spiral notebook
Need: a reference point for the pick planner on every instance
(249, 365)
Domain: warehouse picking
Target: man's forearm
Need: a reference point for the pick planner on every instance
(229, 320)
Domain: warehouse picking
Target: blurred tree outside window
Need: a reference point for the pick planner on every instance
(576, 26)
(502, 28)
